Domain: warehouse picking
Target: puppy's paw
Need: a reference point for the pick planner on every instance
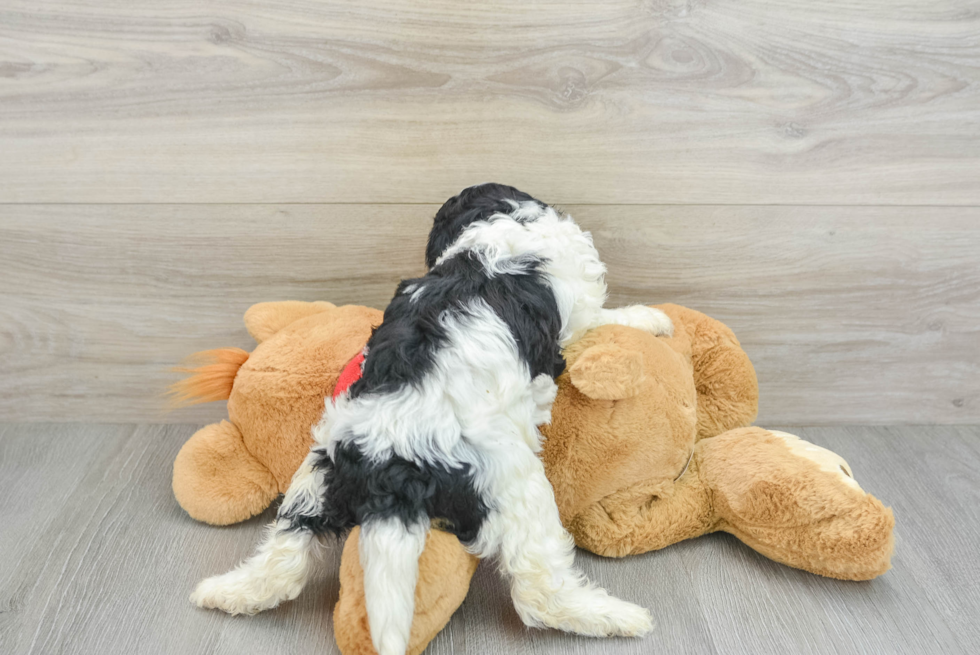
(543, 392)
(232, 593)
(628, 620)
(649, 319)
(612, 617)
(589, 611)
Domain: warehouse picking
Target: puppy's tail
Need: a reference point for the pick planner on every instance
(210, 377)
(389, 551)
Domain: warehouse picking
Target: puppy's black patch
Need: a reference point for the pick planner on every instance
(477, 203)
(402, 349)
(359, 489)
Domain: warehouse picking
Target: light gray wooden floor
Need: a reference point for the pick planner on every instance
(96, 557)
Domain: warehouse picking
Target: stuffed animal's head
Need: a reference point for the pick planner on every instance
(631, 406)
(279, 392)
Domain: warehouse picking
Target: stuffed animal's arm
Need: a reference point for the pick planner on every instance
(646, 516)
(264, 319)
(728, 390)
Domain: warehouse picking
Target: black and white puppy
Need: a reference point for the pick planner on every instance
(442, 427)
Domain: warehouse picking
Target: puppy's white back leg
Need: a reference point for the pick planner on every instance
(641, 317)
(537, 553)
(280, 566)
(389, 552)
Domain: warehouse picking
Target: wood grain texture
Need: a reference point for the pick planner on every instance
(628, 101)
(98, 558)
(850, 314)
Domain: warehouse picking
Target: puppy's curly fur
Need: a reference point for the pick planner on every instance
(442, 426)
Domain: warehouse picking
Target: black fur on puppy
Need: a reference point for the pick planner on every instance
(442, 427)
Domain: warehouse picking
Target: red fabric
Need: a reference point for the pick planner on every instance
(350, 375)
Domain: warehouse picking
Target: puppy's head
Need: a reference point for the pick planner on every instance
(475, 203)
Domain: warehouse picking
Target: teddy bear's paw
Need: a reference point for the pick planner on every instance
(238, 592)
(827, 460)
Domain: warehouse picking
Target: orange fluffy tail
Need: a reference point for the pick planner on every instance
(211, 377)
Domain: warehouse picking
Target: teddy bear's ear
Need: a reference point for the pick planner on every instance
(264, 319)
(608, 372)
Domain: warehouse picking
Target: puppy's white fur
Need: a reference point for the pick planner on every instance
(280, 567)
(479, 406)
(574, 270)
(389, 553)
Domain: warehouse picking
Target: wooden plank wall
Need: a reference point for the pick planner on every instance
(808, 172)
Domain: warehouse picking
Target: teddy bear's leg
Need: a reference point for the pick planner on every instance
(797, 503)
(445, 570)
(216, 479)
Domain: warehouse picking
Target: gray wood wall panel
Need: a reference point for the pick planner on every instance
(99, 558)
(653, 101)
(851, 314)
(804, 171)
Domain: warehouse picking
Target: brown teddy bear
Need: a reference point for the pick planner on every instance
(647, 447)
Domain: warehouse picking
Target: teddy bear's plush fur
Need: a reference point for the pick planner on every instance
(636, 465)
(648, 446)
(232, 470)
